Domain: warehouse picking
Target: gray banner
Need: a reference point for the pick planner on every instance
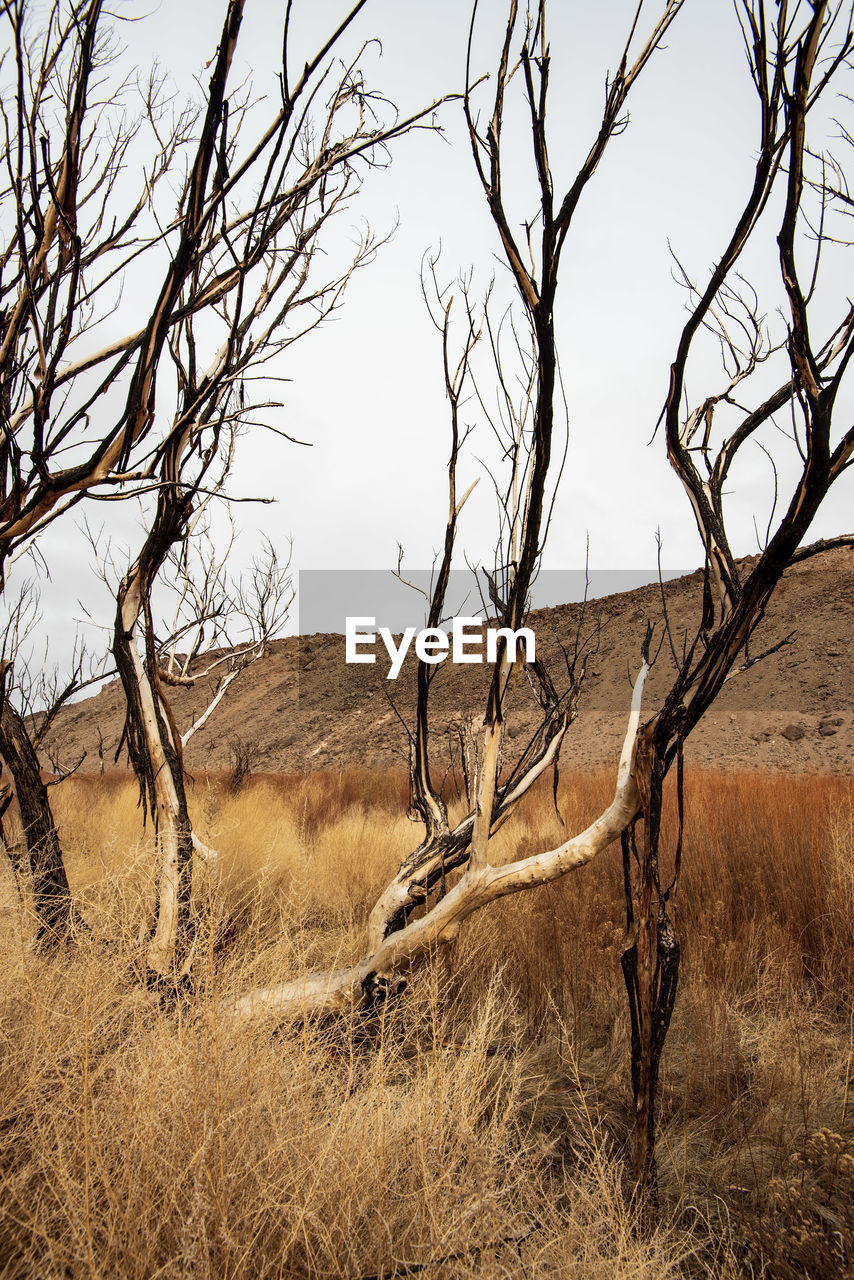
(327, 597)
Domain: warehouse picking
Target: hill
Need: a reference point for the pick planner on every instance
(302, 707)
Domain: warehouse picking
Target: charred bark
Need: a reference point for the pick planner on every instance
(650, 967)
(42, 856)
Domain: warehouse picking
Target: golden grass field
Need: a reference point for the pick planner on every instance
(476, 1128)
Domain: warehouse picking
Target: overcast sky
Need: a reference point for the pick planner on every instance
(366, 391)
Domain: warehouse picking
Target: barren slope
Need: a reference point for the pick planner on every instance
(302, 707)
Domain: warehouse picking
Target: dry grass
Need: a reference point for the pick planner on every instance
(477, 1129)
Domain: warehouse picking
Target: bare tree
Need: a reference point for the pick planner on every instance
(227, 265)
(222, 622)
(795, 53)
(797, 56)
(209, 604)
(395, 938)
(33, 693)
(254, 198)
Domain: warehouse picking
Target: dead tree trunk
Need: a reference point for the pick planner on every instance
(650, 966)
(154, 745)
(14, 840)
(51, 893)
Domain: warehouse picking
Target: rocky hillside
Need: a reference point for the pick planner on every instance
(302, 707)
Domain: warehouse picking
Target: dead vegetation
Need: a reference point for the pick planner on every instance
(477, 1129)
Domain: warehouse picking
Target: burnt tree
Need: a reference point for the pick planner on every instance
(798, 56)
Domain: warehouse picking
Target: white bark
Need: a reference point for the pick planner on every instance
(241, 661)
(397, 894)
(202, 720)
(161, 950)
(486, 786)
(204, 851)
(344, 988)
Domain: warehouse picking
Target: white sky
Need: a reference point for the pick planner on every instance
(366, 390)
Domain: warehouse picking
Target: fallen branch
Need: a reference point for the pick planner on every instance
(381, 971)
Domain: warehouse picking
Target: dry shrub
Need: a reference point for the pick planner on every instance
(808, 1224)
(301, 888)
(137, 1144)
(244, 755)
(477, 1129)
(759, 1053)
